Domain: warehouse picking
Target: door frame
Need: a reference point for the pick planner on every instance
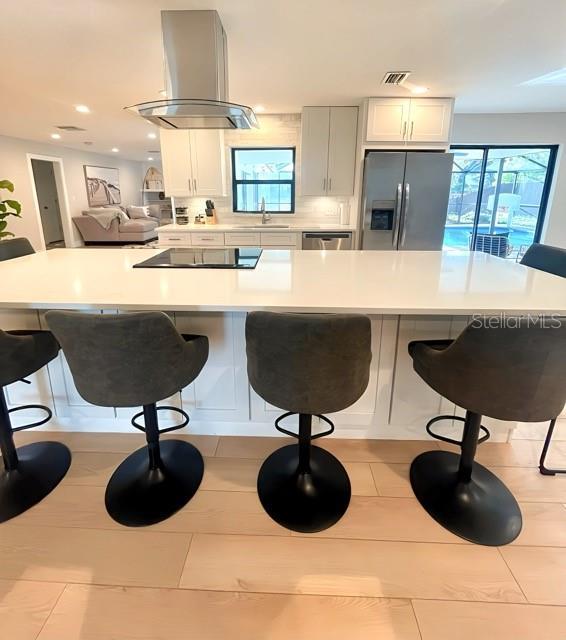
(60, 183)
(546, 189)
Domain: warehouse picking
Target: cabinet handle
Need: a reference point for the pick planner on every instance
(412, 127)
(330, 185)
(190, 185)
(404, 129)
(324, 184)
(195, 183)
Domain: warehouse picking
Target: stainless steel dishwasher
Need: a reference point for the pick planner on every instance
(331, 240)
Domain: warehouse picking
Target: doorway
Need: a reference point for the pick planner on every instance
(498, 198)
(48, 202)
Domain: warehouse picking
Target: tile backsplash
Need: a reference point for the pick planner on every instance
(275, 130)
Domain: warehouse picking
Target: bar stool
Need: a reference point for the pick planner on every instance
(15, 248)
(514, 371)
(30, 472)
(306, 364)
(551, 260)
(132, 360)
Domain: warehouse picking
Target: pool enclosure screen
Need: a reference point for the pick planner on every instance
(498, 198)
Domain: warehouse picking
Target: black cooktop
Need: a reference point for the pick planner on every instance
(207, 258)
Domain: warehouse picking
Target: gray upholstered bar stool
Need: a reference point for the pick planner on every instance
(132, 360)
(15, 248)
(30, 472)
(306, 364)
(509, 369)
(551, 260)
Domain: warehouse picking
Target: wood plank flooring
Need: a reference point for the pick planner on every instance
(222, 569)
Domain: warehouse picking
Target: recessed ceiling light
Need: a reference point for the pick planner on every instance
(150, 159)
(115, 149)
(56, 136)
(259, 108)
(418, 89)
(152, 135)
(82, 108)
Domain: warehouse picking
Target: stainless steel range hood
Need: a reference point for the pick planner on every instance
(196, 76)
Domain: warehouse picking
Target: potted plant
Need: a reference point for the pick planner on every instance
(8, 208)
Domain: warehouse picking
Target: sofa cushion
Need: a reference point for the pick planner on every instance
(137, 226)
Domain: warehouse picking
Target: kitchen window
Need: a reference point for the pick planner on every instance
(263, 172)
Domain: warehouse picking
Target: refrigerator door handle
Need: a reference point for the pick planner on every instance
(397, 222)
(406, 204)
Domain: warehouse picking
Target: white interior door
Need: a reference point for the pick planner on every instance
(314, 151)
(342, 150)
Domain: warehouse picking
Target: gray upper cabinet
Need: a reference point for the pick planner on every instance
(328, 150)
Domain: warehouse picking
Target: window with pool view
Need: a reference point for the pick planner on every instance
(267, 173)
(498, 198)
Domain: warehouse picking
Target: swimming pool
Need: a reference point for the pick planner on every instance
(458, 237)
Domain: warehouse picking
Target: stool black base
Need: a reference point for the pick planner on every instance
(463, 496)
(138, 495)
(302, 487)
(39, 468)
(483, 510)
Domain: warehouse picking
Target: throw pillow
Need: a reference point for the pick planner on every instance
(138, 212)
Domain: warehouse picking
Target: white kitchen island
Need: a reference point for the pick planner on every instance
(409, 295)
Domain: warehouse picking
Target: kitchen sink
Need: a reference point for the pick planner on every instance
(263, 226)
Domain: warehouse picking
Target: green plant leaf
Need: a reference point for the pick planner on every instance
(6, 184)
(5, 234)
(3, 225)
(2, 207)
(14, 204)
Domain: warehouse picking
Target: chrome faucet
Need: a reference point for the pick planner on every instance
(265, 217)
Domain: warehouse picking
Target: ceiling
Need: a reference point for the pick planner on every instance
(107, 54)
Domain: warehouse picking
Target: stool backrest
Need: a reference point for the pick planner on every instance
(308, 363)
(123, 360)
(546, 258)
(15, 248)
(513, 371)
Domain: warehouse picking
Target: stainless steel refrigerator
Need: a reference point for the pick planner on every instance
(405, 200)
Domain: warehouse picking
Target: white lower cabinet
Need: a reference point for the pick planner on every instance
(220, 392)
(413, 402)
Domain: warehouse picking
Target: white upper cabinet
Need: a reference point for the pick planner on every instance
(388, 119)
(176, 162)
(430, 120)
(208, 162)
(193, 162)
(409, 120)
(342, 150)
(328, 150)
(315, 127)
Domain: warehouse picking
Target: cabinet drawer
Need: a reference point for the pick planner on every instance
(183, 239)
(242, 239)
(213, 239)
(278, 239)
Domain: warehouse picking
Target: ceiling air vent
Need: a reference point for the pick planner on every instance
(395, 77)
(69, 127)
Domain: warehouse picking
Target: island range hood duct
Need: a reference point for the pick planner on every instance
(196, 77)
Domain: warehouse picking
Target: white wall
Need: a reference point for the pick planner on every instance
(524, 128)
(14, 167)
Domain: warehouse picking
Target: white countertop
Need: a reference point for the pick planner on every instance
(256, 227)
(375, 282)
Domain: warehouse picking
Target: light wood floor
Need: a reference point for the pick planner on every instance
(222, 570)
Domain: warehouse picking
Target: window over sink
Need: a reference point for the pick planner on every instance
(263, 172)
